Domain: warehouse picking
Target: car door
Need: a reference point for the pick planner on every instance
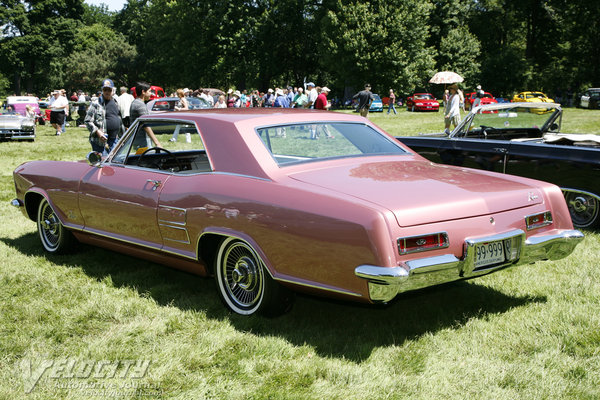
(119, 199)
(121, 202)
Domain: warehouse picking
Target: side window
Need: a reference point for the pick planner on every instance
(169, 146)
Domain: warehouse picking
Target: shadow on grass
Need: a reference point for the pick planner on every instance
(334, 329)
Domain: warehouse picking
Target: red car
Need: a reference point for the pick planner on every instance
(487, 98)
(251, 200)
(422, 102)
(156, 92)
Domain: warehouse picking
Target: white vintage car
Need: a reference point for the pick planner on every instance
(16, 126)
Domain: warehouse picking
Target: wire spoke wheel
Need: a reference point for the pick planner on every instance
(241, 277)
(55, 238)
(245, 284)
(583, 208)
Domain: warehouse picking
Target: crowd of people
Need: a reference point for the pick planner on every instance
(107, 114)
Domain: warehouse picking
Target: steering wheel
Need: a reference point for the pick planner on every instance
(485, 129)
(158, 150)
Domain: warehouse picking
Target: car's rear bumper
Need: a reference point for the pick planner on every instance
(385, 283)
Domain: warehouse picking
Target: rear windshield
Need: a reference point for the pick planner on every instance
(290, 144)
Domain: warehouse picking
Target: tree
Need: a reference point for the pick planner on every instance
(459, 51)
(36, 37)
(99, 53)
(381, 42)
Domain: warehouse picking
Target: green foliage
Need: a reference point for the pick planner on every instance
(99, 53)
(381, 42)
(506, 45)
(97, 15)
(38, 35)
(4, 85)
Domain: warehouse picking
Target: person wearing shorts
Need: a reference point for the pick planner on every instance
(57, 111)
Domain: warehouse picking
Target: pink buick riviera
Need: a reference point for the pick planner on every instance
(270, 202)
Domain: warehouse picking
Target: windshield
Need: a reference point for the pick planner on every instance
(424, 97)
(291, 144)
(536, 94)
(519, 121)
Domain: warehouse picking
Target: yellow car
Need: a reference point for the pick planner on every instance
(533, 97)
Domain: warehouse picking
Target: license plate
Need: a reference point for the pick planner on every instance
(490, 253)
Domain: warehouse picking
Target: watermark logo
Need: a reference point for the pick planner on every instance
(72, 373)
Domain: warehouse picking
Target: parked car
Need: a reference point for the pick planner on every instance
(376, 104)
(155, 92)
(18, 104)
(590, 98)
(357, 217)
(531, 97)
(422, 102)
(486, 98)
(16, 126)
(168, 104)
(44, 103)
(518, 141)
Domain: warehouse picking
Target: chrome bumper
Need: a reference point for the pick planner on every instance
(385, 283)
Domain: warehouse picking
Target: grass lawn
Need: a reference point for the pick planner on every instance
(97, 324)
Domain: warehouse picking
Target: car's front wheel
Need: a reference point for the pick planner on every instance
(54, 236)
(584, 209)
(244, 284)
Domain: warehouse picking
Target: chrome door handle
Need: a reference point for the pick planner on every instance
(154, 183)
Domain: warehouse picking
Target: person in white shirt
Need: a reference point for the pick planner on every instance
(312, 95)
(208, 98)
(453, 113)
(125, 100)
(57, 111)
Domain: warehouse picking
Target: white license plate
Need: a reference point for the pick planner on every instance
(490, 253)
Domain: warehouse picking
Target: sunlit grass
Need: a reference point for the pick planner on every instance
(528, 333)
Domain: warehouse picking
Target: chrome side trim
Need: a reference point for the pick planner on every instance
(134, 243)
(386, 282)
(318, 286)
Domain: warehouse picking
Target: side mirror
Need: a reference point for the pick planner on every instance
(94, 159)
(554, 127)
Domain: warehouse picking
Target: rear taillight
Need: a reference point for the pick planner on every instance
(415, 244)
(539, 220)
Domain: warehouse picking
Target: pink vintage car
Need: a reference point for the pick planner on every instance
(251, 200)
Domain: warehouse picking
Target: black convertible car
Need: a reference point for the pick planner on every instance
(523, 139)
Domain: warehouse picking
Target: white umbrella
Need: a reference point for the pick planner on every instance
(446, 77)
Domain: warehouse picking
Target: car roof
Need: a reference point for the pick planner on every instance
(21, 99)
(222, 129)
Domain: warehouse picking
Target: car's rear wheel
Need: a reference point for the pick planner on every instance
(244, 284)
(54, 236)
(584, 209)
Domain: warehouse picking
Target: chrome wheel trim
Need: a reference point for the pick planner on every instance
(583, 209)
(241, 277)
(49, 227)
